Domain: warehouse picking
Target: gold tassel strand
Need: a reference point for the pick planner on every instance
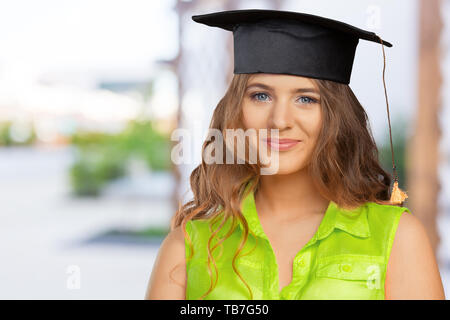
(398, 196)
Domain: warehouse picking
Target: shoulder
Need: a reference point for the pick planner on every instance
(197, 229)
(384, 220)
(410, 230)
(174, 240)
(401, 226)
(168, 276)
(387, 211)
(410, 237)
(412, 270)
(172, 247)
(195, 224)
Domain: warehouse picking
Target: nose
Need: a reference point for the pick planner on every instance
(280, 116)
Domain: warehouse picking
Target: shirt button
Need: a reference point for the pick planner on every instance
(301, 263)
(346, 268)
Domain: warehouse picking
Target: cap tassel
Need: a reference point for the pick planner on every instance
(398, 196)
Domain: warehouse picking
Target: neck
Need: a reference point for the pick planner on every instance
(289, 196)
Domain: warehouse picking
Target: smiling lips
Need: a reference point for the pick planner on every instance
(282, 144)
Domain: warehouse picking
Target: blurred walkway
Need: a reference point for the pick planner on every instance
(43, 227)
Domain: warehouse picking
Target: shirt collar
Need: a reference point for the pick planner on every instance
(352, 221)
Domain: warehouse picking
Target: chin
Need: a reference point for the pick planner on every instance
(289, 167)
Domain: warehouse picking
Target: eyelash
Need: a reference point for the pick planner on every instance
(254, 95)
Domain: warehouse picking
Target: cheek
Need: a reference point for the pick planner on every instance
(253, 118)
(314, 132)
(315, 128)
(311, 124)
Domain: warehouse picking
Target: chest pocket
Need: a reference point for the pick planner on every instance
(346, 277)
(364, 271)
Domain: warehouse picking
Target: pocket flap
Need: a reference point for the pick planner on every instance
(350, 269)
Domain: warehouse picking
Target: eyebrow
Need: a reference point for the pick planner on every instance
(264, 86)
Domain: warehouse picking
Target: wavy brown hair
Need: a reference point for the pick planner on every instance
(344, 165)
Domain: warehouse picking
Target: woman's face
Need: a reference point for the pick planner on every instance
(290, 104)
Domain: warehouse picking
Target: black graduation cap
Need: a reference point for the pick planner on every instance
(287, 42)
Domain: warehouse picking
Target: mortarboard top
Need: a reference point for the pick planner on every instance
(287, 42)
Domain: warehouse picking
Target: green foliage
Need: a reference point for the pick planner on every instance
(140, 138)
(94, 168)
(151, 232)
(6, 139)
(89, 139)
(103, 157)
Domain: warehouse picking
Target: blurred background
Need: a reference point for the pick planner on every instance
(91, 91)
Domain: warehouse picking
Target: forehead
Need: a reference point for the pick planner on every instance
(285, 81)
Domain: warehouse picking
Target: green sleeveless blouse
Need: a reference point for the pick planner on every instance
(345, 259)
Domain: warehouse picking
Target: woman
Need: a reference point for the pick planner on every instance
(321, 227)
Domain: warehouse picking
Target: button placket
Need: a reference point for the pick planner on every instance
(272, 276)
(301, 261)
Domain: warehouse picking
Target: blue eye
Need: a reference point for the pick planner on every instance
(254, 96)
(260, 97)
(307, 100)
